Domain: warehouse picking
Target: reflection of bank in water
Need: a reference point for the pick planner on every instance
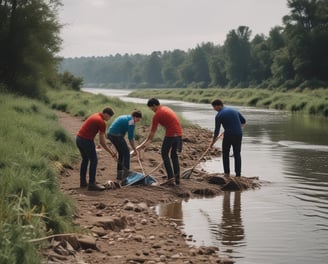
(202, 219)
(172, 211)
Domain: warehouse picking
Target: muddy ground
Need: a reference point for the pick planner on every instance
(121, 225)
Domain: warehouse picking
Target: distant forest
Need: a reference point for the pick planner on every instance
(295, 55)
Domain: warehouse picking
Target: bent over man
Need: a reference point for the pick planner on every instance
(85, 142)
(172, 142)
(116, 133)
(233, 123)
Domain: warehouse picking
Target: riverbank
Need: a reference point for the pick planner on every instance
(121, 225)
(311, 102)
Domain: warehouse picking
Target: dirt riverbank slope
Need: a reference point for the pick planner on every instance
(121, 225)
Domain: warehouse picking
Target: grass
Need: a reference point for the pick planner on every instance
(309, 102)
(84, 104)
(31, 204)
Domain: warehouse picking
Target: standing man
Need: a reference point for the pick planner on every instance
(116, 133)
(85, 142)
(172, 142)
(233, 123)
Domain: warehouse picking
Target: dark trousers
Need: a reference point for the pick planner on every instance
(235, 142)
(88, 152)
(123, 161)
(171, 145)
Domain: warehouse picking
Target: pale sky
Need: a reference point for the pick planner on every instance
(108, 27)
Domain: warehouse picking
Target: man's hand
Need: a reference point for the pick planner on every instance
(114, 155)
(134, 153)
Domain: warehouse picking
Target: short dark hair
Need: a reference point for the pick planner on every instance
(217, 102)
(152, 102)
(136, 113)
(109, 111)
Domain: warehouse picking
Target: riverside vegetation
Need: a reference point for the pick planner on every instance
(312, 102)
(33, 143)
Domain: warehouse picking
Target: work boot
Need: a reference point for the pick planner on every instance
(177, 179)
(83, 183)
(122, 174)
(169, 182)
(119, 175)
(96, 187)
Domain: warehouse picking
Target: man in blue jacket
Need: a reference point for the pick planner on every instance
(233, 123)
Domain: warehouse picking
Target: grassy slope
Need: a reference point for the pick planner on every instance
(32, 146)
(31, 205)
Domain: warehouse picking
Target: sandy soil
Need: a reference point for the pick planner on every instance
(121, 225)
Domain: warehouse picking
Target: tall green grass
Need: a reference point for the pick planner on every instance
(311, 102)
(31, 204)
(84, 104)
(32, 141)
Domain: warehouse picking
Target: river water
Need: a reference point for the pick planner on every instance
(283, 222)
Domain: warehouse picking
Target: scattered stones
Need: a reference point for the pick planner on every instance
(123, 225)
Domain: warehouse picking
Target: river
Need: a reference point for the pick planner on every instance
(284, 222)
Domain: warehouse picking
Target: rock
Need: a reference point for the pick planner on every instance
(101, 206)
(115, 224)
(87, 242)
(220, 180)
(143, 206)
(129, 206)
(99, 231)
(139, 238)
(233, 184)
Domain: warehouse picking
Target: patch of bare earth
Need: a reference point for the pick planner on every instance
(121, 225)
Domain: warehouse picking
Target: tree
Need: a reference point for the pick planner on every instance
(282, 68)
(276, 39)
(217, 71)
(261, 60)
(70, 81)
(306, 29)
(29, 33)
(200, 67)
(153, 68)
(171, 62)
(237, 56)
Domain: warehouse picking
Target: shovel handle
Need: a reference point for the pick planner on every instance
(201, 157)
(140, 164)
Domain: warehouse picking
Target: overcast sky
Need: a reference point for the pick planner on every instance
(108, 27)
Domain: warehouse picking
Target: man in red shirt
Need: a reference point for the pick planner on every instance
(85, 142)
(172, 142)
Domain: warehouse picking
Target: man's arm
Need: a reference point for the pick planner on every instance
(102, 140)
(147, 140)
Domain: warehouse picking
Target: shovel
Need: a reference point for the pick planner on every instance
(187, 173)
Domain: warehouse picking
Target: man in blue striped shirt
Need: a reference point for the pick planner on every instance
(233, 123)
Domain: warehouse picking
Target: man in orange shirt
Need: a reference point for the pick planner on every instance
(172, 142)
(85, 142)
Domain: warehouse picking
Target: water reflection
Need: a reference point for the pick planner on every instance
(172, 211)
(231, 228)
(208, 226)
(283, 222)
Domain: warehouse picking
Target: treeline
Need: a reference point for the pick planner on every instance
(294, 55)
(29, 43)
